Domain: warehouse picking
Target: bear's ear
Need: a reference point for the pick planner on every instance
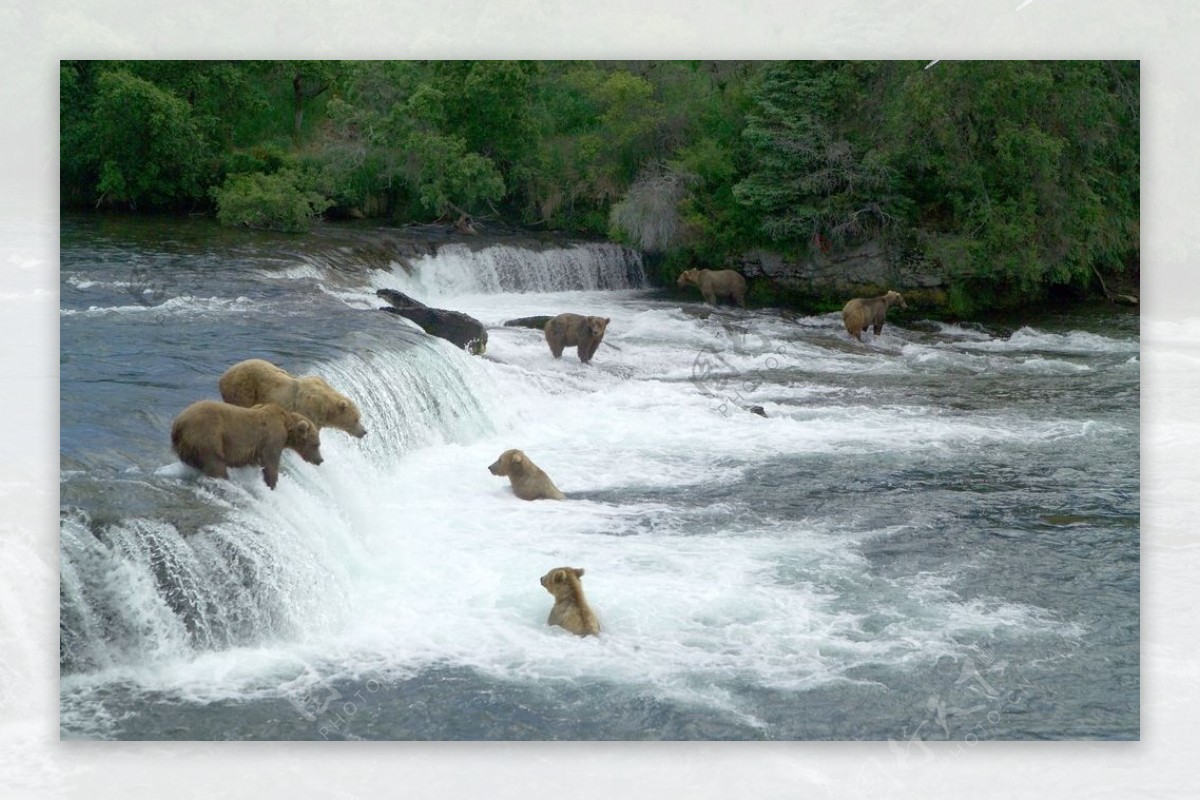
(559, 577)
(607, 320)
(302, 425)
(343, 405)
(578, 572)
(516, 457)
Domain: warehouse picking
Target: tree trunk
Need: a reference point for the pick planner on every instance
(298, 108)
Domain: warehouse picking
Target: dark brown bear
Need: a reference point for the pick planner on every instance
(571, 610)
(211, 436)
(529, 482)
(861, 313)
(257, 381)
(575, 331)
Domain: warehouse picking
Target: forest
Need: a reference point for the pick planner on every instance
(1016, 181)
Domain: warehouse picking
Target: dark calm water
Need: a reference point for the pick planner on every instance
(930, 536)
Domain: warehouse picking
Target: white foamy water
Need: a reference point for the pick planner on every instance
(177, 305)
(402, 552)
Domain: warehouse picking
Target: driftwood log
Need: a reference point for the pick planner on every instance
(1114, 297)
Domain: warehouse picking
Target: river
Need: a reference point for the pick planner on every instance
(931, 535)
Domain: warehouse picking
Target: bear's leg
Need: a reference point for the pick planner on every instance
(214, 468)
(878, 327)
(709, 297)
(554, 339)
(270, 463)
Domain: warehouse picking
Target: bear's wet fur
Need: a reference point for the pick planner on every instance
(529, 482)
(715, 284)
(571, 610)
(212, 436)
(569, 330)
(861, 313)
(255, 381)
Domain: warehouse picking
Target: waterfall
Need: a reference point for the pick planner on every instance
(260, 564)
(459, 270)
(197, 565)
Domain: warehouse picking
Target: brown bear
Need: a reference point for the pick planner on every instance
(861, 313)
(575, 331)
(211, 436)
(716, 284)
(571, 610)
(529, 482)
(257, 381)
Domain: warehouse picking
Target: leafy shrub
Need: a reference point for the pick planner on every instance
(283, 201)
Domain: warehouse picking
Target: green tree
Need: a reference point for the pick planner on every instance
(402, 142)
(1024, 174)
(150, 152)
(222, 96)
(596, 130)
(814, 177)
(487, 104)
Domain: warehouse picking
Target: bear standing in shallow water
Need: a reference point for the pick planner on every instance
(529, 482)
(716, 284)
(255, 381)
(212, 436)
(571, 610)
(861, 313)
(575, 331)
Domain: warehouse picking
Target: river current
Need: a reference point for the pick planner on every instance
(931, 535)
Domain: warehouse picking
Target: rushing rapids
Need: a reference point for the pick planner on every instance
(941, 502)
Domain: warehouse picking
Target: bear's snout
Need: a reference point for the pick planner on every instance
(494, 468)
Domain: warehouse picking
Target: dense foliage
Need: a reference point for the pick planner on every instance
(1010, 178)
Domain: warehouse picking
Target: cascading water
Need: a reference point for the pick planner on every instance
(908, 508)
(273, 564)
(457, 270)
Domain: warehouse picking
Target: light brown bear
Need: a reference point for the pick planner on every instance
(529, 482)
(716, 284)
(257, 381)
(861, 313)
(571, 610)
(211, 436)
(575, 331)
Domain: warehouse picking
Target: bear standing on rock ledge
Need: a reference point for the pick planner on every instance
(861, 313)
(575, 330)
(212, 436)
(258, 381)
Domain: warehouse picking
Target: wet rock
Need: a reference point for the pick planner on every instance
(538, 322)
(399, 299)
(461, 329)
(453, 326)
